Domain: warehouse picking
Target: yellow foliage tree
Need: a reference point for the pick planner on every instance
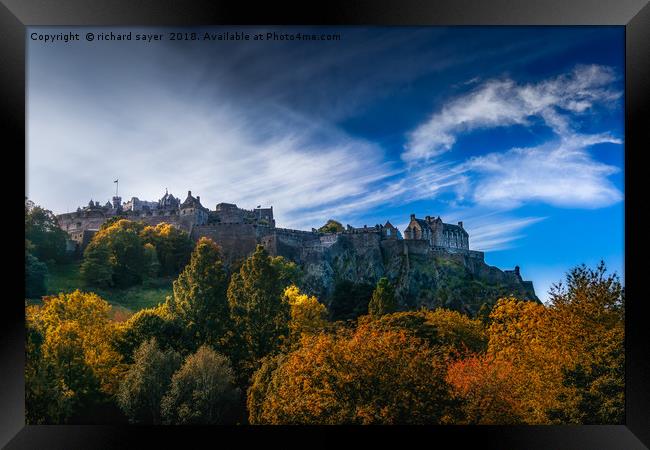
(525, 334)
(308, 315)
(77, 339)
(567, 357)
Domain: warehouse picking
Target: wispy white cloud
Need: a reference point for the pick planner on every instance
(559, 173)
(503, 102)
(498, 232)
(217, 153)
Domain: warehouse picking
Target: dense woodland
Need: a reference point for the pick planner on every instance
(244, 344)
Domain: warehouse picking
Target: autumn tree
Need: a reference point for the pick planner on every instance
(487, 390)
(571, 350)
(76, 348)
(47, 399)
(146, 382)
(589, 308)
(522, 333)
(367, 376)
(453, 332)
(383, 299)
(263, 385)
(116, 250)
(200, 295)
(260, 316)
(308, 315)
(202, 391)
(173, 246)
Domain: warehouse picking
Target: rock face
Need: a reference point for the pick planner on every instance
(423, 276)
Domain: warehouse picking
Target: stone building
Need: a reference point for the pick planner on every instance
(437, 233)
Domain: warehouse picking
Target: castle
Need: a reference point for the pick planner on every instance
(239, 230)
(360, 255)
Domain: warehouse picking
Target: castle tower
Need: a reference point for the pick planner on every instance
(117, 202)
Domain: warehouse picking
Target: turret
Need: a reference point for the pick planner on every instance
(117, 202)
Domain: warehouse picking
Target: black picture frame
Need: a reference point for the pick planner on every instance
(634, 15)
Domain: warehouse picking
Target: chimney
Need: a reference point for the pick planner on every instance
(189, 193)
(412, 216)
(460, 224)
(198, 199)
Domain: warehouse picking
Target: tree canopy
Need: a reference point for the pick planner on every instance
(259, 313)
(363, 377)
(200, 295)
(202, 391)
(47, 241)
(383, 299)
(332, 226)
(146, 382)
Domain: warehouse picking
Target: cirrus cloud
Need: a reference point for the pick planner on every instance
(499, 103)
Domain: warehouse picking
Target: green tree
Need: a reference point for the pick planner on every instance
(146, 382)
(149, 323)
(383, 299)
(202, 391)
(152, 264)
(43, 232)
(350, 300)
(259, 314)
(96, 268)
(200, 295)
(35, 277)
(332, 226)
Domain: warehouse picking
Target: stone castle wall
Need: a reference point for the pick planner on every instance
(237, 240)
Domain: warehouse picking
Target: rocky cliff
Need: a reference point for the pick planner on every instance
(423, 276)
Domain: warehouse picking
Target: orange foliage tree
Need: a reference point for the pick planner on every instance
(368, 376)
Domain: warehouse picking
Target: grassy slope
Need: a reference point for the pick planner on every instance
(66, 278)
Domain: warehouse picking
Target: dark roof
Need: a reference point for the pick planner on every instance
(454, 228)
(192, 202)
(423, 223)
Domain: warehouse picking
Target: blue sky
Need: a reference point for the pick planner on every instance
(516, 131)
